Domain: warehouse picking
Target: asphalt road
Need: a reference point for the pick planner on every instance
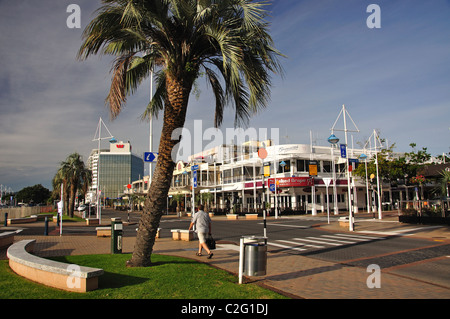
(301, 235)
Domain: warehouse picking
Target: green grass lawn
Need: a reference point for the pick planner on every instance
(169, 278)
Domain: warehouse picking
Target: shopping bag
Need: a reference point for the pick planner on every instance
(211, 242)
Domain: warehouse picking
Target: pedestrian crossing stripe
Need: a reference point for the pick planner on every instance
(323, 241)
(314, 246)
(287, 247)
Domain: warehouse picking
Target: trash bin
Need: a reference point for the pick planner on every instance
(116, 235)
(255, 256)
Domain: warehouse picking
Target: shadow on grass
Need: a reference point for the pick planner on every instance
(117, 275)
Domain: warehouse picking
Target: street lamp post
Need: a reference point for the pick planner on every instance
(377, 142)
(364, 157)
(333, 140)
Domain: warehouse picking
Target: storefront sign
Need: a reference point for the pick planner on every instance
(312, 168)
(293, 181)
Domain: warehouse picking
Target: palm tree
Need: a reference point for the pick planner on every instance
(443, 189)
(58, 180)
(225, 41)
(74, 173)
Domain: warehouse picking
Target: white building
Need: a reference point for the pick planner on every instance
(230, 178)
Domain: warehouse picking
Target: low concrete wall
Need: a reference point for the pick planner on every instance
(19, 212)
(51, 273)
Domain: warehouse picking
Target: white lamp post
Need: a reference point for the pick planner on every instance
(334, 140)
(364, 157)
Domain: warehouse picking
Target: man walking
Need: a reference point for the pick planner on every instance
(202, 223)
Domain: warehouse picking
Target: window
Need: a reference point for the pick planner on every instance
(301, 166)
(287, 167)
(327, 167)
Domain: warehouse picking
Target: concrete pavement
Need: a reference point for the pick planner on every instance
(292, 274)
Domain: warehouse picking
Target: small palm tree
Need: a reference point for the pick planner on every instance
(226, 41)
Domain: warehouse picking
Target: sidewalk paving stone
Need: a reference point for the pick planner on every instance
(296, 275)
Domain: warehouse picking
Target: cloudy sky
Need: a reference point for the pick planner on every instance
(394, 79)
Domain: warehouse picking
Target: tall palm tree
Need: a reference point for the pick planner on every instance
(226, 41)
(74, 172)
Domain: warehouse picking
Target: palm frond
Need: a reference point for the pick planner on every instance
(117, 94)
(157, 101)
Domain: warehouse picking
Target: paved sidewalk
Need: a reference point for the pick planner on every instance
(294, 275)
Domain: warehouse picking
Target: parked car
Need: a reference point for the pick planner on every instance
(81, 208)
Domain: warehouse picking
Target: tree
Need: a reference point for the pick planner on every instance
(443, 184)
(33, 194)
(225, 41)
(73, 175)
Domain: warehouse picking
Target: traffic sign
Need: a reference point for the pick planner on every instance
(150, 157)
(194, 167)
(343, 150)
(195, 178)
(272, 187)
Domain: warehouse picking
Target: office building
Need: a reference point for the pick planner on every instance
(118, 166)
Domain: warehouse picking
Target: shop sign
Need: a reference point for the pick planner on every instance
(293, 181)
(312, 168)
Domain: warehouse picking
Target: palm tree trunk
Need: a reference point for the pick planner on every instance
(66, 199)
(174, 117)
(72, 195)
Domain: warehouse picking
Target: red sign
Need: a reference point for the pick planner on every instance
(119, 145)
(129, 186)
(293, 181)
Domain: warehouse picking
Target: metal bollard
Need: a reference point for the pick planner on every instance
(6, 219)
(46, 227)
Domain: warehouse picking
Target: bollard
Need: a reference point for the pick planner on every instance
(46, 227)
(6, 219)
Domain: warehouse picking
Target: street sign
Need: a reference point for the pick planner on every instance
(343, 150)
(326, 181)
(266, 169)
(272, 187)
(150, 157)
(194, 167)
(195, 178)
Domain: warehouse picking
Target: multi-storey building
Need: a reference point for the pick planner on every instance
(117, 166)
(291, 178)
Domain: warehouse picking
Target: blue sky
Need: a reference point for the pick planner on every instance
(394, 79)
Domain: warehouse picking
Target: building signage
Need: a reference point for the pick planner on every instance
(293, 181)
(266, 169)
(120, 145)
(312, 168)
(343, 150)
(194, 178)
